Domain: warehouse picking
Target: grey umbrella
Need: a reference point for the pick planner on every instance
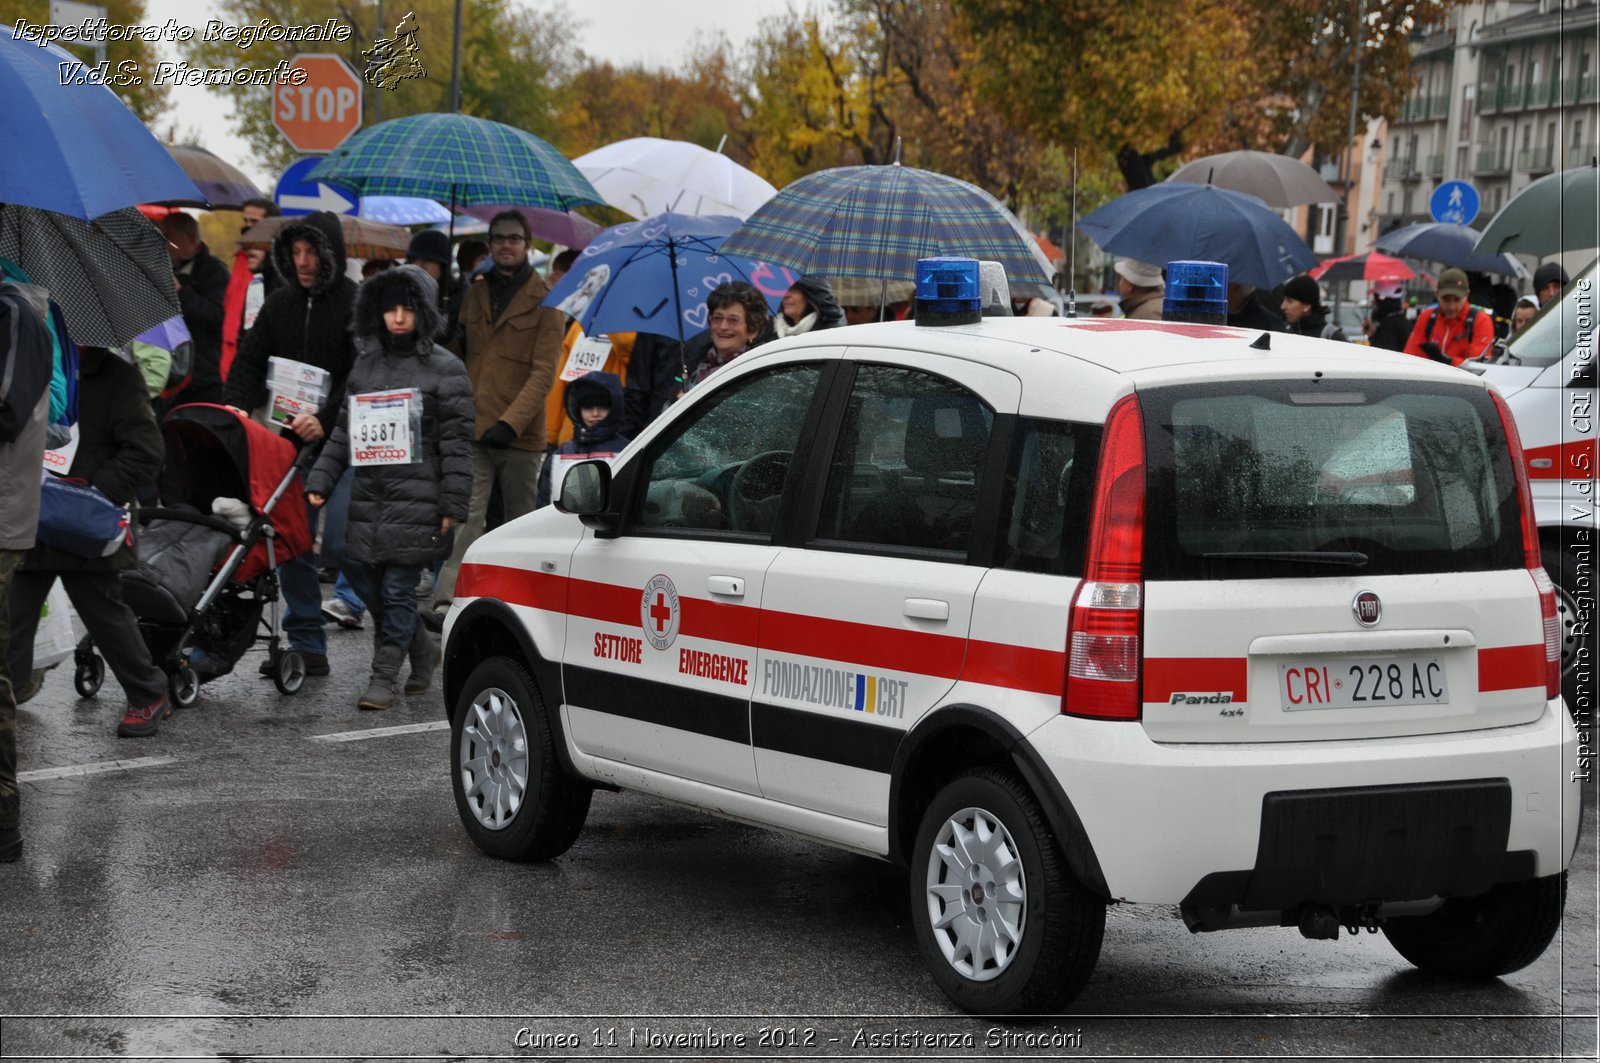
(1555, 213)
(1279, 180)
(1447, 242)
(112, 277)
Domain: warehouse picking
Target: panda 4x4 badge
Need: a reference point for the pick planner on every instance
(659, 612)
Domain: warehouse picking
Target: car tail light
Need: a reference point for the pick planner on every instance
(1531, 556)
(1104, 656)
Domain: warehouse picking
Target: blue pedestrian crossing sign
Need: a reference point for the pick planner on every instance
(1455, 202)
(297, 195)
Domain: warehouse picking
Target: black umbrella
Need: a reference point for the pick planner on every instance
(112, 277)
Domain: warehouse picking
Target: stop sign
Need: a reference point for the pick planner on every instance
(318, 114)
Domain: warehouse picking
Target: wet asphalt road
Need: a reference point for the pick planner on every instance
(243, 885)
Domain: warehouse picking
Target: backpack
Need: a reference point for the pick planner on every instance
(1433, 320)
(25, 362)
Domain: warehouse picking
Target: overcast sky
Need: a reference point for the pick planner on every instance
(623, 31)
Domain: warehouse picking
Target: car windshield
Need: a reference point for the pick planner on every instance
(1558, 325)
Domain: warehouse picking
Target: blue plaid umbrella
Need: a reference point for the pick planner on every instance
(1175, 221)
(458, 160)
(652, 276)
(874, 222)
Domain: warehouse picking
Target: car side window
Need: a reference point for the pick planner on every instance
(722, 467)
(905, 471)
(1045, 504)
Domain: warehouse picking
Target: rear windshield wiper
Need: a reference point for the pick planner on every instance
(1350, 558)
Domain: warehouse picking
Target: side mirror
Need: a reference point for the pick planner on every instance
(586, 489)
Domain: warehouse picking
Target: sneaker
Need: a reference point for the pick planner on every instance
(10, 844)
(338, 610)
(316, 664)
(425, 584)
(141, 722)
(30, 690)
(432, 619)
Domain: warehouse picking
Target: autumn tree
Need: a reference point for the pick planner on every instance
(602, 103)
(145, 100)
(513, 58)
(1145, 80)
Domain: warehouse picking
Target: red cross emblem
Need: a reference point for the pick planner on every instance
(659, 611)
(1178, 328)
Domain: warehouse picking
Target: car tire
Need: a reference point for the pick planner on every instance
(514, 800)
(985, 857)
(1562, 565)
(1485, 936)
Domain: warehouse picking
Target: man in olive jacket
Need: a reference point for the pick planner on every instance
(511, 343)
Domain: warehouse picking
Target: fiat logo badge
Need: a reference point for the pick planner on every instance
(1368, 609)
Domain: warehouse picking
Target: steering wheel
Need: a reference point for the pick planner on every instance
(759, 479)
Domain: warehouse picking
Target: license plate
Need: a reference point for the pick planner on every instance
(1362, 683)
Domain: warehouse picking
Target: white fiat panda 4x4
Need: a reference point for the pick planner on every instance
(1057, 614)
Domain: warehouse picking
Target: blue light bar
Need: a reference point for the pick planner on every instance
(1197, 292)
(949, 291)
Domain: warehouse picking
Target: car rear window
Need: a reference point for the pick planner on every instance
(1255, 480)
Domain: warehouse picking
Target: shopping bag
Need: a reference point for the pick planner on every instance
(54, 641)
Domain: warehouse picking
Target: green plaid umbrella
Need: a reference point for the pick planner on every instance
(459, 160)
(874, 222)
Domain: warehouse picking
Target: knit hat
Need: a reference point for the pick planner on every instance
(430, 245)
(393, 291)
(1549, 273)
(1139, 274)
(1303, 289)
(1453, 282)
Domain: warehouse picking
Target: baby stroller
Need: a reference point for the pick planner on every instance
(206, 589)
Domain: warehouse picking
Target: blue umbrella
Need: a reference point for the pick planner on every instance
(1169, 222)
(652, 276)
(1445, 242)
(75, 149)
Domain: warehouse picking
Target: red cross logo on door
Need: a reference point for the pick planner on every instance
(659, 612)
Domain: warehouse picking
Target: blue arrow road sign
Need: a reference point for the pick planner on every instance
(296, 195)
(1455, 202)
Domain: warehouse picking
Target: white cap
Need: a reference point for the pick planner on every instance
(1139, 274)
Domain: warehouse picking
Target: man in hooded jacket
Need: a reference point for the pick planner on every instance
(307, 320)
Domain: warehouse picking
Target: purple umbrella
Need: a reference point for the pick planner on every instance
(224, 185)
(168, 335)
(568, 228)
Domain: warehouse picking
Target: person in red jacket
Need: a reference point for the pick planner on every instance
(1454, 331)
(239, 307)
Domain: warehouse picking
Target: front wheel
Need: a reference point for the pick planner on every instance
(1486, 936)
(514, 800)
(289, 672)
(89, 675)
(183, 686)
(1001, 922)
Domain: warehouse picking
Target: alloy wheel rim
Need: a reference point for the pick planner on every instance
(977, 894)
(492, 758)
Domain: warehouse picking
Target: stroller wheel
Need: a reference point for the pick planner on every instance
(184, 686)
(88, 676)
(290, 675)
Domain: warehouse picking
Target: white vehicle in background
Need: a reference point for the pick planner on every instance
(1547, 377)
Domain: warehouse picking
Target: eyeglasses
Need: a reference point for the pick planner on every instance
(735, 320)
(507, 238)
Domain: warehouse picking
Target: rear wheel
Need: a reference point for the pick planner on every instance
(514, 800)
(1562, 565)
(1486, 936)
(89, 675)
(1002, 924)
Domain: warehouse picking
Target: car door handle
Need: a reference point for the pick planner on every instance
(927, 609)
(732, 586)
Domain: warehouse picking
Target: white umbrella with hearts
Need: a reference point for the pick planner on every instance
(654, 275)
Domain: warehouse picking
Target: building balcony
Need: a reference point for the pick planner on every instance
(1536, 160)
(1491, 163)
(1435, 166)
(1405, 168)
(1582, 155)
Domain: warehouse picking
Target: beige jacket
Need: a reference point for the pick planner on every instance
(511, 362)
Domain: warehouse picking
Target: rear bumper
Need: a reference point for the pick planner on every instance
(1165, 818)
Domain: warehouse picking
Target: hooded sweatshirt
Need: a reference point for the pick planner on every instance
(603, 440)
(395, 510)
(822, 311)
(310, 325)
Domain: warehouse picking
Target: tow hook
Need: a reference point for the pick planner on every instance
(1322, 923)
